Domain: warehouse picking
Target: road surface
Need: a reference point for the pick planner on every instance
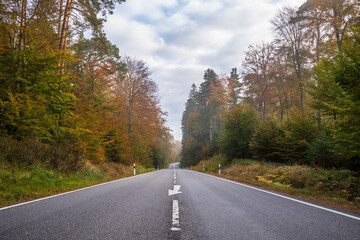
(175, 204)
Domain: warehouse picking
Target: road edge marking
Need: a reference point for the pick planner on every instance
(73, 191)
(282, 196)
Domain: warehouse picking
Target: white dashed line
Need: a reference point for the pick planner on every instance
(175, 216)
(175, 206)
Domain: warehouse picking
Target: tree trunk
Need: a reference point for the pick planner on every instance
(60, 18)
(211, 129)
(65, 25)
(22, 25)
(130, 117)
(64, 31)
(281, 108)
(336, 28)
(318, 120)
(262, 109)
(299, 78)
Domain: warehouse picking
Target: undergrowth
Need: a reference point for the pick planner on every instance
(19, 183)
(331, 185)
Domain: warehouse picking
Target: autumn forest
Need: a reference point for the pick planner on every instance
(72, 107)
(67, 94)
(295, 99)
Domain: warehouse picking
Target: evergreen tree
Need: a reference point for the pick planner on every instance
(266, 141)
(238, 129)
(234, 88)
(298, 133)
(204, 107)
(190, 107)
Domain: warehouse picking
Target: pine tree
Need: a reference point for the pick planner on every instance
(190, 107)
(234, 88)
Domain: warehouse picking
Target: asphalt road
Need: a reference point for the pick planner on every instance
(198, 206)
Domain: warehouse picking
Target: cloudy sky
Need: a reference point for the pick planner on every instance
(180, 39)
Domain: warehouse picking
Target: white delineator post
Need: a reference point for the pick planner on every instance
(219, 168)
(134, 170)
(203, 167)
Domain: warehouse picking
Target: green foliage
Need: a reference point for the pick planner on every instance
(116, 148)
(322, 152)
(347, 74)
(159, 157)
(190, 154)
(190, 107)
(38, 181)
(346, 71)
(212, 164)
(299, 131)
(63, 110)
(266, 141)
(336, 93)
(201, 120)
(60, 156)
(238, 129)
(235, 88)
(35, 100)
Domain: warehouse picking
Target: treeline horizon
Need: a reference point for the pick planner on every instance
(66, 99)
(296, 99)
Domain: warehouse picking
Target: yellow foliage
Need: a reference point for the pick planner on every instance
(278, 184)
(263, 179)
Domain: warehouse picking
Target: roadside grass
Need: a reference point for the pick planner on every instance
(24, 183)
(337, 188)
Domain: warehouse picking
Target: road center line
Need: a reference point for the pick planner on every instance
(175, 216)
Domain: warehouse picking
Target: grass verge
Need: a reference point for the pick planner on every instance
(336, 188)
(20, 184)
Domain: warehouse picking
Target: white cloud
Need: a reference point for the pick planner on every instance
(132, 38)
(202, 8)
(151, 10)
(180, 39)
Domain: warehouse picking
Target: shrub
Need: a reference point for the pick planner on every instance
(42, 175)
(322, 151)
(299, 132)
(299, 177)
(29, 151)
(212, 164)
(66, 158)
(117, 147)
(190, 154)
(4, 148)
(265, 143)
(238, 129)
(158, 157)
(210, 149)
